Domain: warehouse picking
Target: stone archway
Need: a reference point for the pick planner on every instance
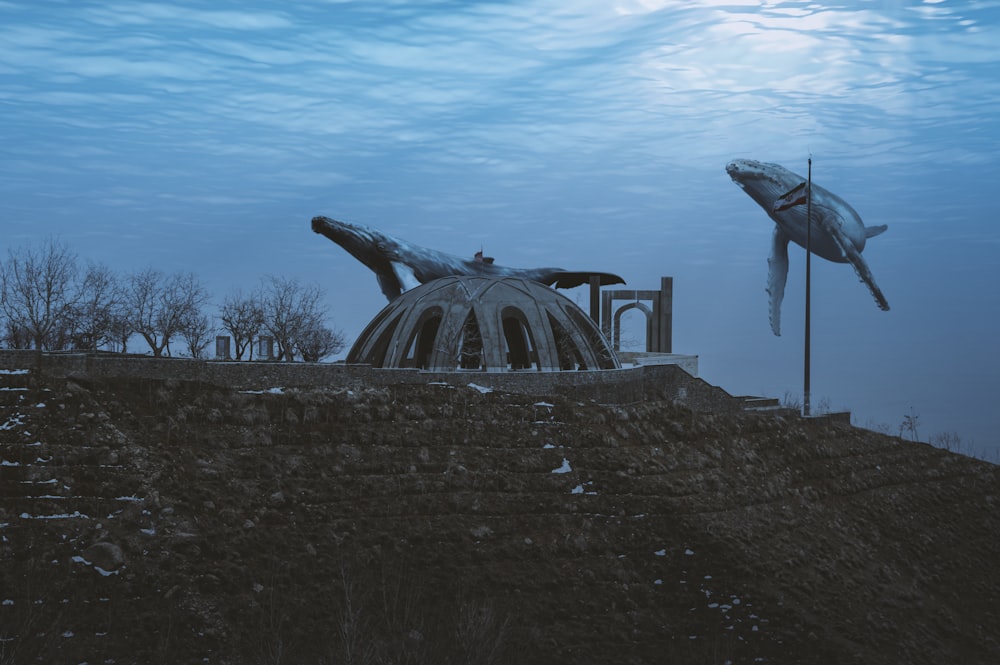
(656, 305)
(616, 327)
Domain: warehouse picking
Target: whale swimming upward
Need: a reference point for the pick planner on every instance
(837, 233)
(399, 265)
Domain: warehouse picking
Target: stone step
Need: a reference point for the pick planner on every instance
(59, 507)
(753, 403)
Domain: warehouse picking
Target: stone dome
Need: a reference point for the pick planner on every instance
(478, 323)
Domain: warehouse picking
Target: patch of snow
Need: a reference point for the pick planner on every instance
(545, 404)
(577, 490)
(482, 389)
(564, 468)
(7, 601)
(7, 463)
(101, 571)
(40, 405)
(688, 552)
(14, 371)
(12, 422)
(128, 498)
(5, 389)
(657, 582)
(548, 445)
(62, 516)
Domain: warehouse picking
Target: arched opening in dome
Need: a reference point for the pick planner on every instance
(420, 346)
(605, 357)
(377, 351)
(518, 340)
(569, 354)
(470, 345)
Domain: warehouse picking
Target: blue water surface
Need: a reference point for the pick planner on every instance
(594, 135)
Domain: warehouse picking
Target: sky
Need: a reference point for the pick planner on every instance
(591, 135)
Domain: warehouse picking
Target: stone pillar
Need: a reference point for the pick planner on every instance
(595, 299)
(265, 347)
(222, 347)
(665, 336)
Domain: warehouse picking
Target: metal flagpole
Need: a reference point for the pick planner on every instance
(805, 390)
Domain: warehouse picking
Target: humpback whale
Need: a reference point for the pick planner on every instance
(399, 265)
(837, 233)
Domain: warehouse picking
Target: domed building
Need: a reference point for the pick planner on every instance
(478, 323)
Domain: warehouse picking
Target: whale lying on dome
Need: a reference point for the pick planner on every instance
(399, 265)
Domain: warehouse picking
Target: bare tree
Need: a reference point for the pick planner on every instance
(39, 292)
(196, 331)
(15, 336)
(316, 342)
(290, 309)
(242, 317)
(159, 305)
(120, 325)
(100, 300)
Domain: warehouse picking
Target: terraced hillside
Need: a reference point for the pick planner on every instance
(163, 522)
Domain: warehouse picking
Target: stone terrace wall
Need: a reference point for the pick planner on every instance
(616, 386)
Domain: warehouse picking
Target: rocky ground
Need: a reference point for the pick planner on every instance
(162, 522)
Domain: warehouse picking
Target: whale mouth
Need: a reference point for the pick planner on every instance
(339, 232)
(741, 170)
(762, 181)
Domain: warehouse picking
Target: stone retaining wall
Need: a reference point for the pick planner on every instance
(615, 386)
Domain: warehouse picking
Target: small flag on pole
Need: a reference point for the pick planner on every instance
(793, 197)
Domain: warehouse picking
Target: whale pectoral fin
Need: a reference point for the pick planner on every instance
(872, 231)
(404, 276)
(852, 254)
(777, 275)
(389, 285)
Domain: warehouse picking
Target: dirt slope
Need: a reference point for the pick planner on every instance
(147, 522)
